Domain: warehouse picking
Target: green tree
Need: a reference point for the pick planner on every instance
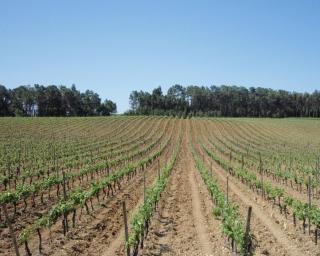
(90, 102)
(5, 101)
(107, 108)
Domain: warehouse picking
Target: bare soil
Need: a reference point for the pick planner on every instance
(183, 223)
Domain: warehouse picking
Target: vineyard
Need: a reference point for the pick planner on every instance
(159, 186)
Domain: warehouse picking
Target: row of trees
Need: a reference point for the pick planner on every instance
(39, 100)
(232, 101)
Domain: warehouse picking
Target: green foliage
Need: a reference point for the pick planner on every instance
(232, 223)
(301, 210)
(80, 195)
(228, 101)
(145, 211)
(52, 100)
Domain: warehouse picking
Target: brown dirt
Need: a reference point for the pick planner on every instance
(94, 232)
(275, 234)
(183, 223)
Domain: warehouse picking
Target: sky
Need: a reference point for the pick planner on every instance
(115, 47)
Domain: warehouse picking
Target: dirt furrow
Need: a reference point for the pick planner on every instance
(183, 224)
(259, 212)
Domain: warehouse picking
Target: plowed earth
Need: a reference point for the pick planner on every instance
(183, 223)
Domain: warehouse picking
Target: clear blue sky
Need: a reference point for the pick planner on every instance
(114, 47)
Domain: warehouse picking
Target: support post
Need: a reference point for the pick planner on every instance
(247, 232)
(242, 162)
(261, 173)
(13, 237)
(262, 189)
(126, 234)
(309, 194)
(227, 189)
(144, 185)
(65, 199)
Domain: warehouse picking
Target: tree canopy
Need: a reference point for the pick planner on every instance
(228, 101)
(52, 100)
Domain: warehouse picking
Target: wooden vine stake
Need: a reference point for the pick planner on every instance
(227, 189)
(126, 233)
(234, 247)
(309, 194)
(247, 233)
(13, 237)
(316, 176)
(318, 167)
(261, 173)
(144, 185)
(158, 168)
(242, 162)
(54, 159)
(40, 240)
(317, 230)
(260, 162)
(65, 216)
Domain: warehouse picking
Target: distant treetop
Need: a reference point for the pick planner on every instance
(228, 101)
(52, 100)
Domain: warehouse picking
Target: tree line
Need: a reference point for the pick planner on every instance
(228, 101)
(52, 100)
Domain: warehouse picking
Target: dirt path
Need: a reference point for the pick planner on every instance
(32, 213)
(183, 224)
(284, 224)
(272, 237)
(276, 231)
(94, 232)
(198, 216)
(117, 244)
(134, 198)
(259, 213)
